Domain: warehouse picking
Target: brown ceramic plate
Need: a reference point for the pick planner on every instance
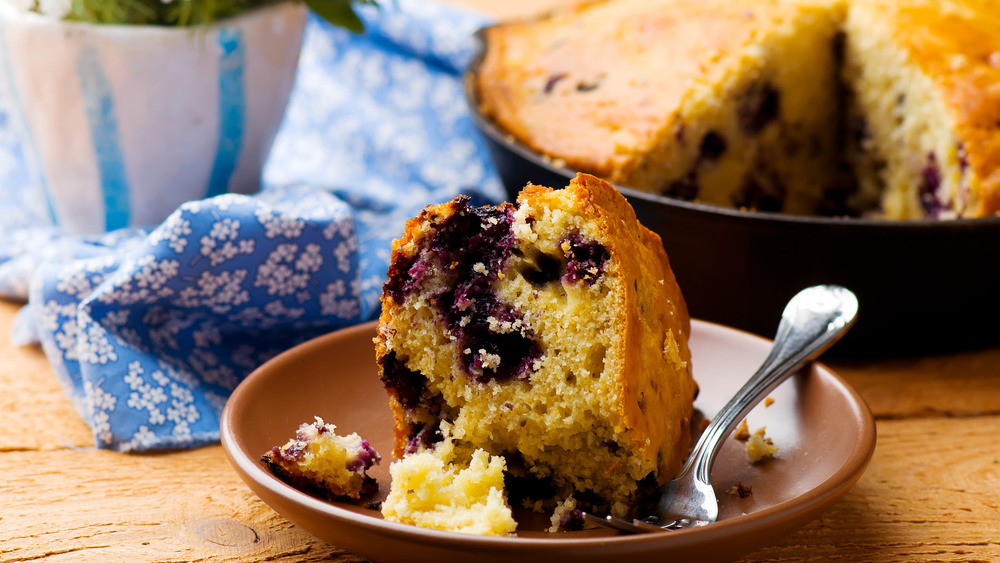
(823, 428)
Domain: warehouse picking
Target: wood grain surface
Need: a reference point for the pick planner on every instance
(931, 492)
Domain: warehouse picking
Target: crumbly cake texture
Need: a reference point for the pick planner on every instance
(566, 516)
(318, 460)
(924, 106)
(831, 107)
(430, 491)
(551, 333)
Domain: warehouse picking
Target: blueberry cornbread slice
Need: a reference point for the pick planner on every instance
(552, 333)
(319, 461)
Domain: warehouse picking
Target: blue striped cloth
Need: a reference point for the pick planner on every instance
(150, 329)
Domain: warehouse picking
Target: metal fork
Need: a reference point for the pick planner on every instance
(812, 321)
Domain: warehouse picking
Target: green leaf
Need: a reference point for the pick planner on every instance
(338, 12)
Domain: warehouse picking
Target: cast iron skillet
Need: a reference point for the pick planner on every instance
(924, 287)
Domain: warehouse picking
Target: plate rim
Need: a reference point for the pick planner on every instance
(814, 500)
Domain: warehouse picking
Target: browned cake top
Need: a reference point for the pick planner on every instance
(595, 84)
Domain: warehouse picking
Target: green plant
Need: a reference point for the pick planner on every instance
(340, 12)
(199, 12)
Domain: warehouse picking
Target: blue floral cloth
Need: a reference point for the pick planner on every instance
(149, 330)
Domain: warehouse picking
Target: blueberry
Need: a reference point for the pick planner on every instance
(486, 354)
(423, 437)
(550, 84)
(760, 196)
(407, 385)
(367, 457)
(474, 235)
(293, 452)
(713, 146)
(685, 187)
(929, 185)
(546, 269)
(585, 260)
(572, 520)
(758, 106)
(469, 250)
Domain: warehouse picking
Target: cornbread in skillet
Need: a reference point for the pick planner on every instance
(551, 333)
(725, 102)
(318, 460)
(882, 108)
(924, 106)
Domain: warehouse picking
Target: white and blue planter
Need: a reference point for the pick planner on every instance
(125, 123)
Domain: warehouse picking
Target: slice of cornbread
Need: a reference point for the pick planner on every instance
(551, 333)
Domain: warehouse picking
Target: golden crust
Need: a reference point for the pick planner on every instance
(982, 145)
(656, 393)
(598, 95)
(958, 47)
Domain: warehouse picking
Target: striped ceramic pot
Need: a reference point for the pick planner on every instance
(121, 124)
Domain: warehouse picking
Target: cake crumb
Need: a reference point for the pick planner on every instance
(321, 462)
(672, 350)
(490, 361)
(428, 491)
(566, 517)
(742, 431)
(760, 447)
(741, 490)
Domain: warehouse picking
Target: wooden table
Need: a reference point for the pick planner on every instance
(931, 493)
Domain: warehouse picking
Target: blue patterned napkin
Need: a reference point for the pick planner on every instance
(149, 330)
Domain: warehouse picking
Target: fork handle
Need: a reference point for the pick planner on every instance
(812, 321)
